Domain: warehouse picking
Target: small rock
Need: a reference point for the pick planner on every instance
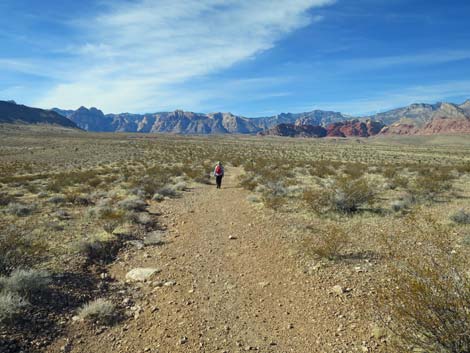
(169, 283)
(103, 275)
(338, 289)
(232, 237)
(183, 340)
(378, 332)
(138, 244)
(154, 238)
(141, 274)
(124, 230)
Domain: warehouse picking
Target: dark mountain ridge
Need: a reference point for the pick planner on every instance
(13, 113)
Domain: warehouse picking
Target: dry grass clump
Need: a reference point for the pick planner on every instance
(98, 311)
(327, 242)
(25, 282)
(427, 303)
(11, 306)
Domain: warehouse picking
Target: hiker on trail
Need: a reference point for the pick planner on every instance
(219, 174)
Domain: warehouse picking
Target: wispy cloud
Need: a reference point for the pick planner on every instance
(387, 100)
(142, 54)
(430, 58)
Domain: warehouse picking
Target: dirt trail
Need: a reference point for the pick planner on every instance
(237, 286)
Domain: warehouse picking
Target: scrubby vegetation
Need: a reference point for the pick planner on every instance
(76, 202)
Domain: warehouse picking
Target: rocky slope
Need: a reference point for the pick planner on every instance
(13, 113)
(350, 128)
(355, 128)
(442, 118)
(292, 130)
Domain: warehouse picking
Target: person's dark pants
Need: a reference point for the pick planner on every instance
(218, 181)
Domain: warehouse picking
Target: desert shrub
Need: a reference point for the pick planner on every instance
(20, 210)
(145, 219)
(327, 242)
(25, 281)
(132, 204)
(98, 249)
(180, 186)
(253, 198)
(168, 191)
(355, 170)
(389, 172)
(431, 184)
(5, 199)
(158, 197)
(274, 195)
(343, 195)
(461, 217)
(402, 204)
(204, 179)
(18, 250)
(427, 300)
(350, 194)
(466, 240)
(317, 199)
(63, 180)
(99, 310)
(11, 306)
(249, 181)
(56, 199)
(77, 198)
(149, 186)
(399, 181)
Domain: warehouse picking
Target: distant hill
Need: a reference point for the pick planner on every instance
(291, 130)
(425, 119)
(439, 118)
(13, 113)
(182, 122)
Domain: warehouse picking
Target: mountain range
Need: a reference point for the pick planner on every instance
(439, 118)
(412, 119)
(182, 122)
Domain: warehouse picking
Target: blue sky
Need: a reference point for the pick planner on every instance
(250, 57)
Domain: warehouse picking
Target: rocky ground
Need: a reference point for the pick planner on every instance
(227, 279)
